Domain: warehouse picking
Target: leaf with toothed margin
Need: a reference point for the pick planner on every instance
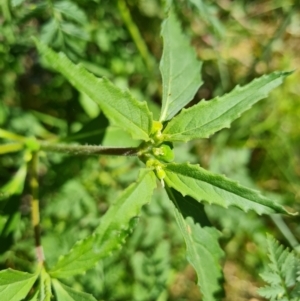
(208, 117)
(180, 69)
(111, 232)
(203, 185)
(203, 250)
(118, 105)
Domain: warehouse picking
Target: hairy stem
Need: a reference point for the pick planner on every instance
(88, 150)
(35, 212)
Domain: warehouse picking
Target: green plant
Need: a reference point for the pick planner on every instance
(282, 274)
(187, 185)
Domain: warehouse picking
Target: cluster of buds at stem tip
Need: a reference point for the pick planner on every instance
(158, 168)
(156, 152)
(156, 135)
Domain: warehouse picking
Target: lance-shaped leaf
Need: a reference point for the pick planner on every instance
(15, 285)
(118, 105)
(65, 293)
(15, 185)
(179, 67)
(203, 185)
(203, 250)
(208, 117)
(111, 232)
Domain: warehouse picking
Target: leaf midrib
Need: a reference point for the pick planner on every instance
(211, 121)
(220, 187)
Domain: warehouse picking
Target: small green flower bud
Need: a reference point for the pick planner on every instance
(151, 163)
(156, 127)
(160, 172)
(32, 144)
(164, 153)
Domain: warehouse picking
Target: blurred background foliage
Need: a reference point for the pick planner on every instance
(237, 41)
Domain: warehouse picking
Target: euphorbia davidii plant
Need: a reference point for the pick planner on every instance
(188, 186)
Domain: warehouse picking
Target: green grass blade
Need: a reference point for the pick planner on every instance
(119, 106)
(111, 232)
(203, 250)
(208, 117)
(179, 67)
(203, 185)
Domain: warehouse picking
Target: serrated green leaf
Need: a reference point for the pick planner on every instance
(179, 67)
(275, 292)
(15, 185)
(208, 117)
(15, 285)
(203, 185)
(89, 106)
(111, 232)
(49, 31)
(203, 250)
(206, 11)
(66, 293)
(74, 31)
(119, 106)
(71, 11)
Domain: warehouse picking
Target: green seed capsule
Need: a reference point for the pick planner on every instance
(164, 153)
(160, 172)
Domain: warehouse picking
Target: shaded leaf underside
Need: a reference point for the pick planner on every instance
(203, 185)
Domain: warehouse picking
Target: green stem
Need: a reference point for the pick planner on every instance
(88, 150)
(135, 33)
(285, 230)
(35, 212)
